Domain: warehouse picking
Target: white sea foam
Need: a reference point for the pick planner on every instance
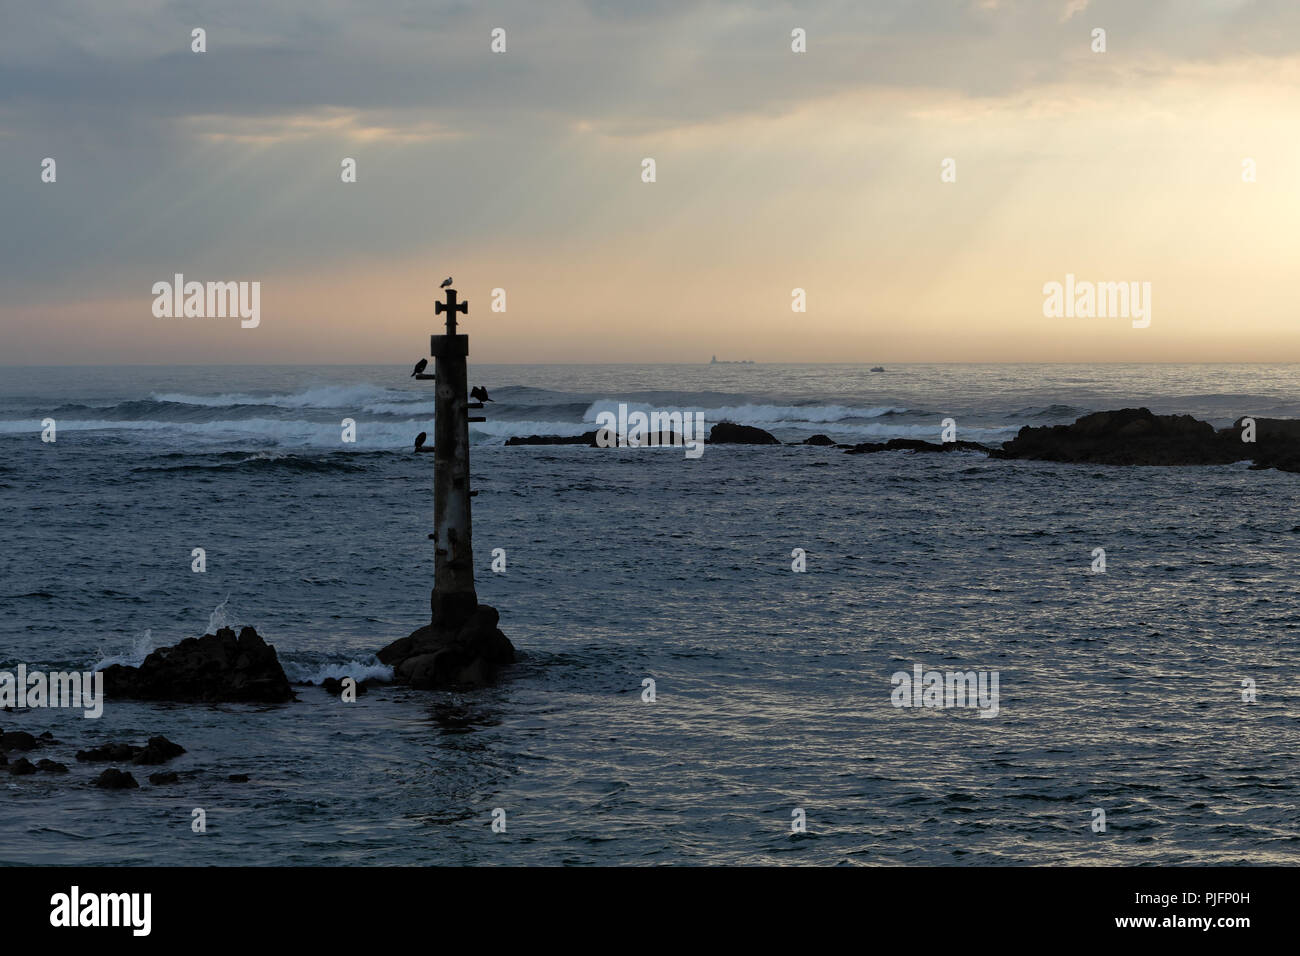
(752, 414)
(323, 396)
(398, 435)
(219, 617)
(279, 432)
(142, 645)
(318, 673)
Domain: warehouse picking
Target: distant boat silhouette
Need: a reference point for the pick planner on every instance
(877, 369)
(714, 361)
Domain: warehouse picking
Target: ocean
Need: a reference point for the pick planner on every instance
(773, 700)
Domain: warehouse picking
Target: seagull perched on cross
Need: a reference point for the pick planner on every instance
(445, 282)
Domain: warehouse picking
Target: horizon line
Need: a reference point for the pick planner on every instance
(597, 364)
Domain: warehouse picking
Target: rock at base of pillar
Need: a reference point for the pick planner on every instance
(438, 656)
(450, 611)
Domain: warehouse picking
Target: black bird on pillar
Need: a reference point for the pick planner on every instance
(420, 366)
(419, 441)
(479, 394)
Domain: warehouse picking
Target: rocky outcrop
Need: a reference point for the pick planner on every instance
(1276, 445)
(450, 654)
(729, 433)
(1129, 436)
(214, 667)
(914, 444)
(1136, 436)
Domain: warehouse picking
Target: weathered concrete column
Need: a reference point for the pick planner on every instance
(454, 598)
(461, 646)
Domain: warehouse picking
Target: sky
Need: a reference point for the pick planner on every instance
(1170, 158)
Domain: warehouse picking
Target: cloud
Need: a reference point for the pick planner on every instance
(1072, 7)
(226, 163)
(333, 123)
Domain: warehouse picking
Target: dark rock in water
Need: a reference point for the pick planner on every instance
(1136, 436)
(589, 439)
(158, 750)
(819, 440)
(18, 740)
(238, 778)
(51, 766)
(1268, 430)
(214, 667)
(5, 760)
(117, 752)
(445, 655)
(1276, 445)
(914, 444)
(1130, 436)
(164, 777)
(21, 766)
(729, 433)
(334, 685)
(586, 438)
(114, 779)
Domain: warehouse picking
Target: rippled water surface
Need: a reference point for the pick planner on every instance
(1120, 691)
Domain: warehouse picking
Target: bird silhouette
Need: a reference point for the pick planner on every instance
(479, 394)
(419, 440)
(420, 366)
(445, 282)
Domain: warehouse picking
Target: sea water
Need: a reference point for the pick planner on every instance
(1126, 691)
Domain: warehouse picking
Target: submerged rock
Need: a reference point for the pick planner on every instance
(650, 439)
(108, 752)
(164, 777)
(21, 767)
(441, 655)
(51, 766)
(214, 667)
(18, 740)
(914, 444)
(334, 685)
(729, 433)
(114, 779)
(586, 438)
(158, 750)
(819, 440)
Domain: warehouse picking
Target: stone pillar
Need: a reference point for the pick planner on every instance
(454, 597)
